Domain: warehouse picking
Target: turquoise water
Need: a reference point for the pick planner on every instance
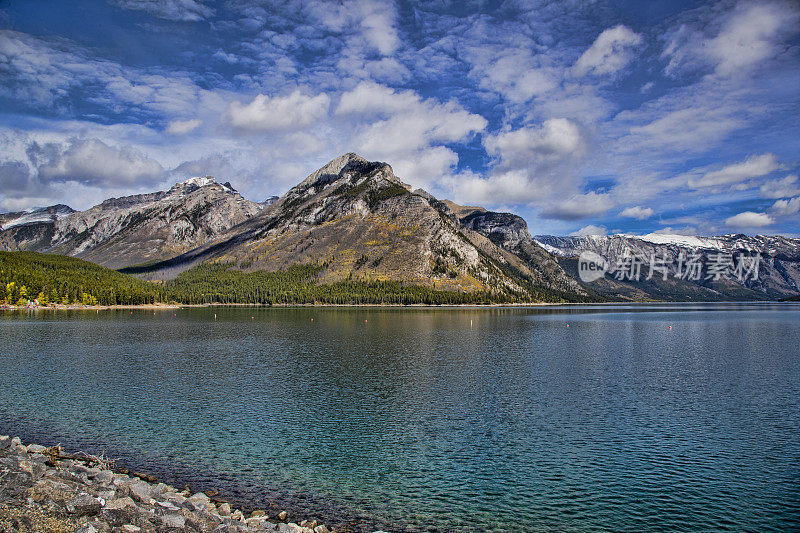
(434, 419)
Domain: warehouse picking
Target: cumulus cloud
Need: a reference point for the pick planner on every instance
(92, 162)
(50, 73)
(580, 206)
(689, 128)
(750, 219)
(555, 140)
(532, 165)
(591, 229)
(612, 51)
(752, 167)
(637, 212)
(182, 127)
(780, 188)
(278, 113)
(402, 126)
(786, 207)
(364, 23)
(731, 43)
(14, 176)
(515, 73)
(177, 10)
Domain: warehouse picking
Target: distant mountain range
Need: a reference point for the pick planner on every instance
(777, 275)
(134, 229)
(357, 220)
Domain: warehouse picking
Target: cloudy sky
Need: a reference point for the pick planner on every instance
(582, 116)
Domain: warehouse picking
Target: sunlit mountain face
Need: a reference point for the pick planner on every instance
(676, 118)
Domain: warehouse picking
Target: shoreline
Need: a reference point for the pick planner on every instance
(51, 490)
(167, 307)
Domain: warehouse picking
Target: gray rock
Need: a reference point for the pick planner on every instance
(173, 520)
(141, 491)
(224, 509)
(169, 506)
(84, 505)
(225, 528)
(36, 448)
(120, 503)
(197, 502)
(104, 477)
(89, 528)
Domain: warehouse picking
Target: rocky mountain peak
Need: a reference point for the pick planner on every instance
(198, 182)
(34, 216)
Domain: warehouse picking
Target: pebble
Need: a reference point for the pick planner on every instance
(102, 501)
(83, 505)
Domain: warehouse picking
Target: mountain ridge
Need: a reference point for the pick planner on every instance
(356, 220)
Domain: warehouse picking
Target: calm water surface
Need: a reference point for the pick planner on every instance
(434, 419)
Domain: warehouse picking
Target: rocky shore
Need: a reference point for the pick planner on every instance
(46, 490)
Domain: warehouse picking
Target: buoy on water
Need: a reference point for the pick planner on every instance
(215, 316)
(670, 327)
(567, 325)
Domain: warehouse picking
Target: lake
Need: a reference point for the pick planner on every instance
(571, 418)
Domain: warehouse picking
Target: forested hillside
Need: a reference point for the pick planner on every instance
(26, 276)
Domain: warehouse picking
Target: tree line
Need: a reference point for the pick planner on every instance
(29, 276)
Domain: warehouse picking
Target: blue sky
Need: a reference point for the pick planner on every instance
(583, 117)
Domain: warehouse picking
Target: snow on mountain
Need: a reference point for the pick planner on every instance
(35, 216)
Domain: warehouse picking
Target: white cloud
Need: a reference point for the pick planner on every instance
(591, 229)
(364, 23)
(47, 73)
(580, 206)
(533, 165)
(780, 188)
(92, 162)
(750, 219)
(278, 113)
(182, 127)
(692, 128)
(396, 125)
(177, 10)
(637, 212)
(372, 99)
(753, 167)
(748, 37)
(611, 51)
(786, 207)
(515, 73)
(731, 42)
(555, 140)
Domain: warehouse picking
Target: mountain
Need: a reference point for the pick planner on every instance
(357, 220)
(353, 221)
(778, 273)
(135, 229)
(42, 215)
